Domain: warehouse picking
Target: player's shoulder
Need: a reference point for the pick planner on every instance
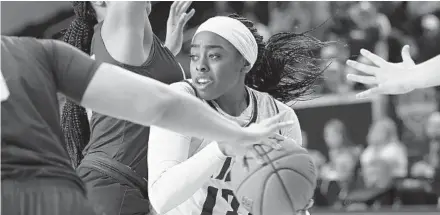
(184, 86)
(266, 98)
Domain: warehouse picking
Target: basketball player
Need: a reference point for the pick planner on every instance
(36, 174)
(231, 69)
(115, 158)
(395, 78)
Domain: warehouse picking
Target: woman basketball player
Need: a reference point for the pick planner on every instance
(37, 177)
(238, 75)
(115, 158)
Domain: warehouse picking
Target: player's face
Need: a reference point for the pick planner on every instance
(215, 65)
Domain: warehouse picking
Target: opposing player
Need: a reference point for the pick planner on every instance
(115, 158)
(37, 177)
(231, 70)
(395, 78)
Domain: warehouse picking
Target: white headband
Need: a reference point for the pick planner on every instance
(234, 32)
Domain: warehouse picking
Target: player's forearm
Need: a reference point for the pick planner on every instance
(187, 115)
(178, 183)
(116, 92)
(427, 74)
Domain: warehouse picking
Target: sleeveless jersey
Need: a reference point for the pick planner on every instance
(216, 196)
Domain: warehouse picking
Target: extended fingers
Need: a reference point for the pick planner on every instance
(374, 58)
(362, 79)
(362, 67)
(189, 15)
(183, 6)
(173, 8)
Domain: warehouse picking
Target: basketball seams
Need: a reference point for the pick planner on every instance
(262, 166)
(275, 170)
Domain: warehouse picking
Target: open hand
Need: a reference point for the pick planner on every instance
(388, 78)
(176, 23)
(267, 130)
(264, 133)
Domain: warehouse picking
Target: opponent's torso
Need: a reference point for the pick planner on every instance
(32, 143)
(122, 140)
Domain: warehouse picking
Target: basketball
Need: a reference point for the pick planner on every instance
(282, 185)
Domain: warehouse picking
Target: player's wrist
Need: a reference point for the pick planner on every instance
(246, 135)
(417, 81)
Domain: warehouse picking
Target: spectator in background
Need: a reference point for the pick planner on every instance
(375, 189)
(371, 29)
(426, 167)
(338, 180)
(338, 141)
(281, 17)
(384, 145)
(335, 80)
(380, 163)
(429, 41)
(433, 158)
(319, 160)
(223, 8)
(420, 188)
(378, 173)
(249, 11)
(317, 156)
(338, 175)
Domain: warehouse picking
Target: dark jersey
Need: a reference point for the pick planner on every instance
(35, 70)
(121, 140)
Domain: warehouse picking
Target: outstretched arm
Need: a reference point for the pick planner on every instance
(395, 78)
(113, 91)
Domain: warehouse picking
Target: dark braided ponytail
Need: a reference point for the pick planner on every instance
(74, 121)
(285, 67)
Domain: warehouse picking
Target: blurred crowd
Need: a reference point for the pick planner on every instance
(399, 165)
(353, 176)
(381, 27)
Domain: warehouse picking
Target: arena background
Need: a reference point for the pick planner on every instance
(410, 23)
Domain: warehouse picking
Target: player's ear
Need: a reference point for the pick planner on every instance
(246, 66)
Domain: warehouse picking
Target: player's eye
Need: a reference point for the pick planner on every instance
(193, 57)
(214, 56)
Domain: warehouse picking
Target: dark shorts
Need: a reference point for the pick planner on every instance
(112, 196)
(44, 197)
